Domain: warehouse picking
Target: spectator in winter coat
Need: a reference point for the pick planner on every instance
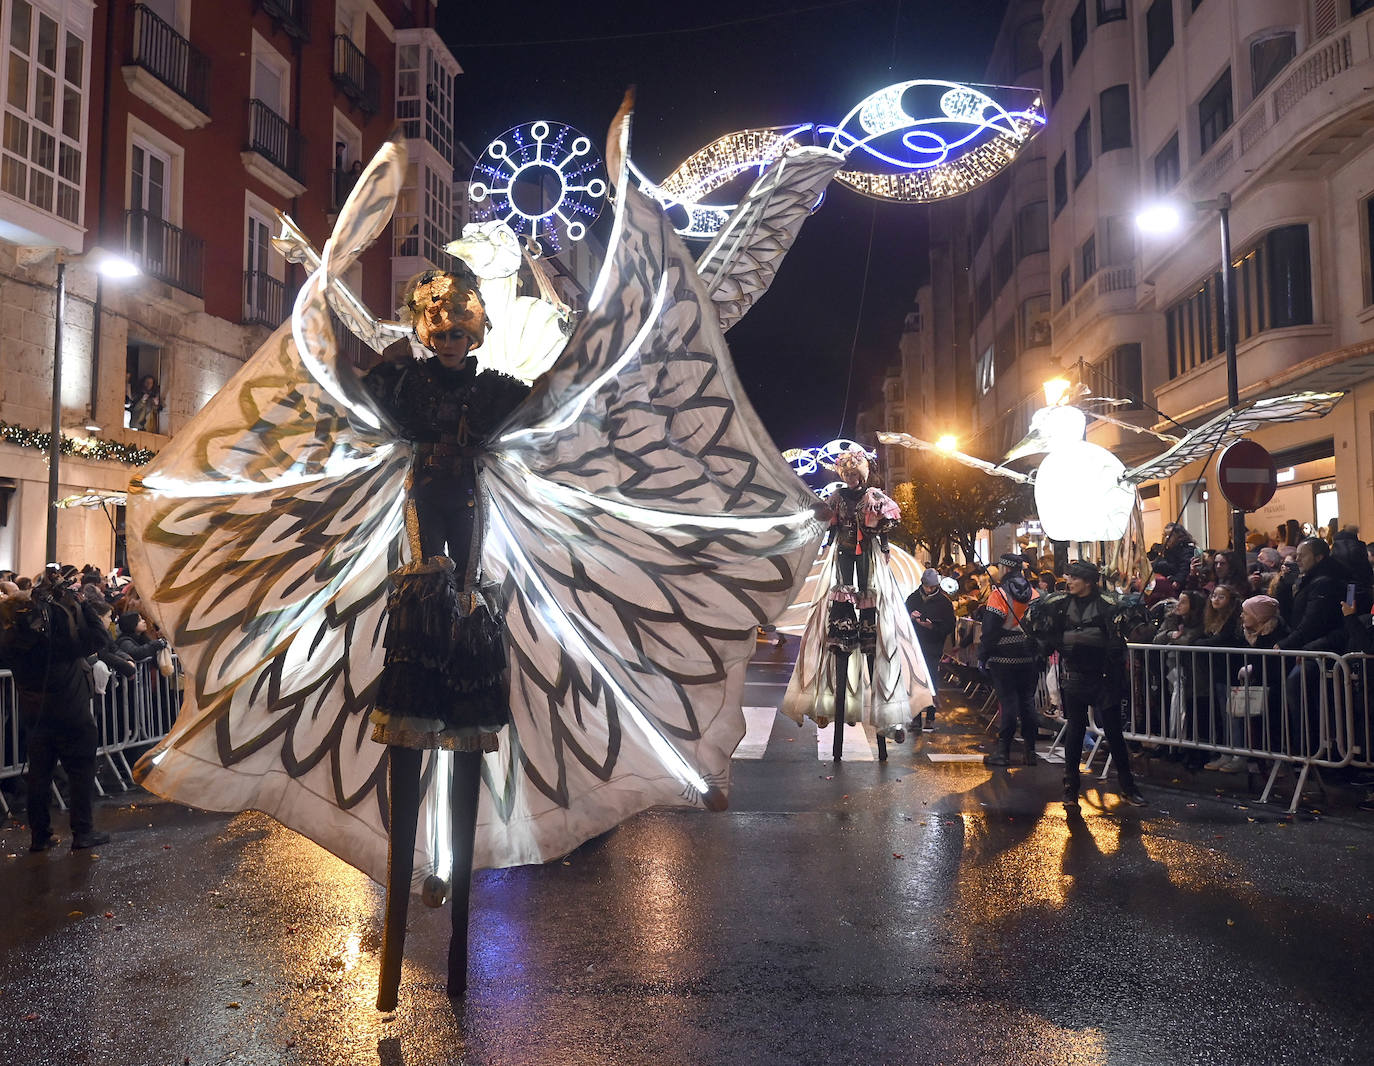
(1221, 629)
(1176, 558)
(1353, 555)
(44, 641)
(932, 615)
(133, 638)
(1315, 623)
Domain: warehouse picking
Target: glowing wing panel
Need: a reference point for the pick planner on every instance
(744, 257)
(640, 517)
(646, 524)
(1229, 426)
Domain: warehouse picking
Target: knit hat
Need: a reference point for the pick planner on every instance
(930, 578)
(128, 623)
(1262, 607)
(1081, 568)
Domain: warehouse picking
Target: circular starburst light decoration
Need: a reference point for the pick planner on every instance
(542, 179)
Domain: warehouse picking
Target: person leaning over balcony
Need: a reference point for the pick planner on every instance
(1092, 665)
(1008, 654)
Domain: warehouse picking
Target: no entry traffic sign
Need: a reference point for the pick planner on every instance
(1247, 475)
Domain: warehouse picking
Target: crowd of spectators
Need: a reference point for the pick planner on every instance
(64, 635)
(1292, 590)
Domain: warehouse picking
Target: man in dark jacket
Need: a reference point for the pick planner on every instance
(1353, 556)
(1092, 664)
(44, 641)
(932, 614)
(1315, 623)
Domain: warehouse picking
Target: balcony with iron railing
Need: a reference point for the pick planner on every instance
(166, 252)
(292, 16)
(166, 71)
(275, 151)
(356, 77)
(264, 299)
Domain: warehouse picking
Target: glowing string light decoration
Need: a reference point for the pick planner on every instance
(544, 180)
(917, 141)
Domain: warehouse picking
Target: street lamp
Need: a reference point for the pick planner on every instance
(1056, 389)
(1166, 217)
(112, 266)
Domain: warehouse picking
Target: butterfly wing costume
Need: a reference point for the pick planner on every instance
(638, 520)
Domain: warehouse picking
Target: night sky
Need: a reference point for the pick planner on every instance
(805, 62)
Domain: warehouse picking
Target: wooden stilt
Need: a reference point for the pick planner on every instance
(467, 777)
(403, 800)
(841, 690)
(882, 740)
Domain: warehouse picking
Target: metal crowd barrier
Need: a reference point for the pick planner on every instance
(133, 713)
(1280, 708)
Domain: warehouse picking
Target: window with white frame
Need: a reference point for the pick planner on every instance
(439, 108)
(264, 293)
(271, 77)
(44, 142)
(438, 228)
(150, 202)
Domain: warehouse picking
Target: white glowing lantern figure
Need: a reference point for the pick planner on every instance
(1079, 493)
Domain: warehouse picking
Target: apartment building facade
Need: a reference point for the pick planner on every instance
(171, 132)
(1266, 102)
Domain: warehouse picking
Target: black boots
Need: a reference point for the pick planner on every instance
(1031, 758)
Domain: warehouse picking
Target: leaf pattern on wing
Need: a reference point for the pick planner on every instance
(640, 521)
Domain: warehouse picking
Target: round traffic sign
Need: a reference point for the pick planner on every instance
(1247, 476)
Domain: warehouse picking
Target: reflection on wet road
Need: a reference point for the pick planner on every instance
(907, 912)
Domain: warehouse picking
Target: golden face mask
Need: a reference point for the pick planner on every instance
(449, 316)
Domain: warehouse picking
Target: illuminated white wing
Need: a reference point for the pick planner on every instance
(1232, 425)
(744, 257)
(262, 536)
(640, 516)
(646, 524)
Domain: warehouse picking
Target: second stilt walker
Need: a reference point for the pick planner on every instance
(860, 609)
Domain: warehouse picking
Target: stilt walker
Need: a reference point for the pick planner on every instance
(443, 685)
(861, 612)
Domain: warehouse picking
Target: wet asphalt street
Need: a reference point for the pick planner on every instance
(911, 912)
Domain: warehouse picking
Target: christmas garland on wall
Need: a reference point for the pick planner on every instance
(80, 447)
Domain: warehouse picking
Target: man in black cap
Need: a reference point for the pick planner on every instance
(1092, 662)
